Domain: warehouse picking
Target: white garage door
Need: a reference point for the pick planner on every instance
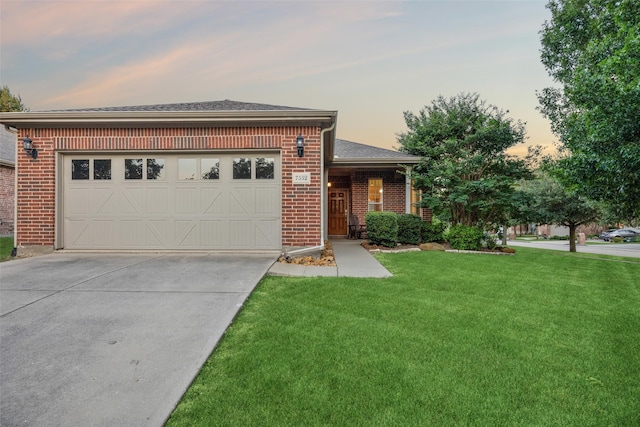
(169, 201)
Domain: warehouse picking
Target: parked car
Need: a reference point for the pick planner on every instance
(605, 233)
(626, 233)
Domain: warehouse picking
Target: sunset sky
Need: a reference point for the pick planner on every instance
(369, 60)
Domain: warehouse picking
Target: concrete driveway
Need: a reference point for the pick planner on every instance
(112, 339)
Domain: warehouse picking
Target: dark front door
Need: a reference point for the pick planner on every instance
(338, 212)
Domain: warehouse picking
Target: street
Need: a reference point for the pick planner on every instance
(597, 247)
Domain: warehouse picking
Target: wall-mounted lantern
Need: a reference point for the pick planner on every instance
(27, 144)
(300, 145)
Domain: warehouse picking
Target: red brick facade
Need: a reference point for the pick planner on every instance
(393, 195)
(301, 216)
(7, 198)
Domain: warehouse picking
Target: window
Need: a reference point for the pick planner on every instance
(102, 169)
(132, 168)
(241, 168)
(375, 194)
(264, 168)
(187, 169)
(80, 169)
(210, 168)
(155, 169)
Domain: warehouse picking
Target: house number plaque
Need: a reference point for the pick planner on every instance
(301, 178)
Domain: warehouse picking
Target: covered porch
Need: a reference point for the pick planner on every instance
(362, 178)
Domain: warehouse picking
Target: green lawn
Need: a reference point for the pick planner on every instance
(6, 245)
(542, 338)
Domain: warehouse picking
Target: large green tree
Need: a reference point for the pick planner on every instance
(464, 173)
(591, 49)
(545, 200)
(10, 102)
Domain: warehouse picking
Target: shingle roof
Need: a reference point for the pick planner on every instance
(226, 105)
(353, 151)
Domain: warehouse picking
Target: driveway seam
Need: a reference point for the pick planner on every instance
(157, 292)
(56, 292)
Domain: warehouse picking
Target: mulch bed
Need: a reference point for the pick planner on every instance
(440, 246)
(326, 258)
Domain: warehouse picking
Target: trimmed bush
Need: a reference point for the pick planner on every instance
(490, 241)
(464, 237)
(433, 232)
(409, 229)
(382, 228)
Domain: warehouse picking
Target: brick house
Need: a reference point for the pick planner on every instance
(7, 180)
(221, 175)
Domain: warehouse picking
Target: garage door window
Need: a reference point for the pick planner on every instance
(101, 169)
(132, 168)
(265, 168)
(210, 168)
(241, 168)
(155, 169)
(80, 169)
(187, 169)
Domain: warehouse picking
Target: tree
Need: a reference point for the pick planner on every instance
(10, 102)
(591, 49)
(545, 201)
(464, 173)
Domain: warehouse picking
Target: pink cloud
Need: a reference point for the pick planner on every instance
(34, 22)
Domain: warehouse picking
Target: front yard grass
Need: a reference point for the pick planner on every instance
(6, 246)
(538, 339)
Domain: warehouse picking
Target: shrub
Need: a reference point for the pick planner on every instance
(464, 237)
(409, 229)
(618, 239)
(490, 241)
(382, 228)
(433, 232)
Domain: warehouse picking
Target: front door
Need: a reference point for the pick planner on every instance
(338, 212)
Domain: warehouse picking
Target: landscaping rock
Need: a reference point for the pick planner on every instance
(326, 258)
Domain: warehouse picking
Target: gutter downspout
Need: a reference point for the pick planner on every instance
(323, 189)
(322, 197)
(323, 185)
(14, 251)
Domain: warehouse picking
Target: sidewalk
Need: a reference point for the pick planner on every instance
(351, 258)
(592, 247)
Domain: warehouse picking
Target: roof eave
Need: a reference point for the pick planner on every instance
(371, 162)
(168, 118)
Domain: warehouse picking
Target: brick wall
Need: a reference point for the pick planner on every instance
(301, 214)
(36, 178)
(7, 200)
(393, 192)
